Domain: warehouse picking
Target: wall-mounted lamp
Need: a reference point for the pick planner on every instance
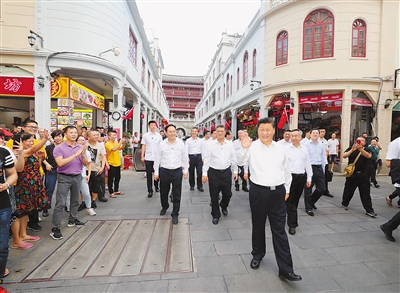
(32, 39)
(253, 82)
(40, 81)
(292, 102)
(387, 103)
(116, 51)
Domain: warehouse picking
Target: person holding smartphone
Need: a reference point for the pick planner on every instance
(360, 177)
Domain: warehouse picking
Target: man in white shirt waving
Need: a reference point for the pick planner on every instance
(270, 180)
(150, 142)
(170, 162)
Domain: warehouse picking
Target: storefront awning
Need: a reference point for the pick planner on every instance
(365, 102)
(320, 98)
(396, 107)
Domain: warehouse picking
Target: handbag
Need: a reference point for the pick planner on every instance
(349, 170)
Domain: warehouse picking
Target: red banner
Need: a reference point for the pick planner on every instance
(17, 86)
(365, 102)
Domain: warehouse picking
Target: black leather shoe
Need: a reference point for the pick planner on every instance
(225, 212)
(162, 212)
(329, 194)
(200, 189)
(215, 221)
(81, 207)
(314, 207)
(292, 231)
(150, 194)
(290, 277)
(175, 220)
(388, 234)
(103, 199)
(310, 213)
(237, 188)
(245, 189)
(191, 188)
(157, 189)
(254, 264)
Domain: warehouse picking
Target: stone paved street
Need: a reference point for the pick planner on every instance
(128, 247)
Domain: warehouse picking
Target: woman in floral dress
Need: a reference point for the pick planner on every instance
(30, 194)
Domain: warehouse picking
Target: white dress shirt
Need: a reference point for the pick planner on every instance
(237, 145)
(219, 156)
(285, 143)
(151, 141)
(268, 165)
(299, 160)
(304, 141)
(194, 146)
(171, 156)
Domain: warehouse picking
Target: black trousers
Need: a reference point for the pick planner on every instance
(149, 175)
(318, 179)
(393, 223)
(97, 184)
(395, 193)
(195, 163)
(266, 203)
(360, 180)
(241, 174)
(296, 188)
(170, 177)
(114, 177)
(219, 181)
(372, 166)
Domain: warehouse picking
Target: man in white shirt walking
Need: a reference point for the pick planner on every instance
(219, 156)
(242, 167)
(328, 173)
(269, 189)
(150, 143)
(286, 139)
(170, 163)
(194, 147)
(333, 148)
(300, 167)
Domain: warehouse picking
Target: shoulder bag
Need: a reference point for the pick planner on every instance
(349, 170)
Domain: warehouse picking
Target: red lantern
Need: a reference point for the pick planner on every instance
(239, 116)
(247, 112)
(279, 105)
(165, 121)
(257, 114)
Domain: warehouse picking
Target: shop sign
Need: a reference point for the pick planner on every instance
(60, 88)
(86, 96)
(365, 102)
(17, 86)
(320, 98)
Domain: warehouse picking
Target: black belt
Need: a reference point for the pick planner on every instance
(267, 187)
(221, 171)
(316, 165)
(194, 155)
(180, 168)
(298, 175)
(71, 175)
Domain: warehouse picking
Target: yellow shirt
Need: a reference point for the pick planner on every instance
(10, 143)
(113, 157)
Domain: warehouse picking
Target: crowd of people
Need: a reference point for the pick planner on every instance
(80, 165)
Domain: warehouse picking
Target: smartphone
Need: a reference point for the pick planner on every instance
(358, 141)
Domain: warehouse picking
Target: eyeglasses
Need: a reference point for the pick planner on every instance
(32, 127)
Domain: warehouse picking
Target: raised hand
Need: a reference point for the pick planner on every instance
(245, 140)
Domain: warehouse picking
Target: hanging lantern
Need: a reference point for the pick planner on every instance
(165, 121)
(279, 105)
(247, 112)
(239, 116)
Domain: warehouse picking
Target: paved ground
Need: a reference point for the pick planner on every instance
(337, 250)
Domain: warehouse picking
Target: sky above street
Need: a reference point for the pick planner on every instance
(189, 31)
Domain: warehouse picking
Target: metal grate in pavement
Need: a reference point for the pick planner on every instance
(117, 248)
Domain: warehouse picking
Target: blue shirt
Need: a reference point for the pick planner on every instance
(317, 153)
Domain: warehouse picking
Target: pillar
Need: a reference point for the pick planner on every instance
(345, 129)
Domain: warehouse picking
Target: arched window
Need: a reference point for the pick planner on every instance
(254, 63)
(227, 86)
(238, 79)
(358, 47)
(245, 68)
(318, 35)
(282, 48)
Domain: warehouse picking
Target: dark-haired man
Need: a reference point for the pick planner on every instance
(150, 142)
(70, 157)
(169, 165)
(194, 147)
(269, 189)
(114, 161)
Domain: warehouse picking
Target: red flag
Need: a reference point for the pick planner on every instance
(128, 115)
(283, 119)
